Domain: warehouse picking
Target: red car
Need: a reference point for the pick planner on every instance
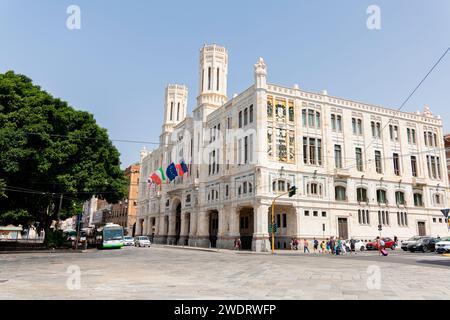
(388, 244)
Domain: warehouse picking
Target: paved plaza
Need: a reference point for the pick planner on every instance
(175, 273)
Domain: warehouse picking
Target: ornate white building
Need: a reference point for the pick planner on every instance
(356, 166)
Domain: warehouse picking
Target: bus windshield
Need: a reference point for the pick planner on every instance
(113, 234)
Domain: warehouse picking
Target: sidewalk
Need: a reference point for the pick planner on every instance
(231, 251)
(43, 251)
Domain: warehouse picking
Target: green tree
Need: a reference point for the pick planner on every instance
(47, 148)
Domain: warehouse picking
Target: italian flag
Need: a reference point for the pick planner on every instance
(158, 177)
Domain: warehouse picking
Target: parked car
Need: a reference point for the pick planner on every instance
(425, 244)
(128, 241)
(388, 244)
(359, 244)
(443, 245)
(142, 241)
(405, 243)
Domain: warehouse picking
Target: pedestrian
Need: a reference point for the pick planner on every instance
(380, 245)
(322, 246)
(352, 245)
(295, 244)
(396, 240)
(344, 246)
(332, 245)
(338, 246)
(237, 244)
(316, 245)
(305, 246)
(328, 246)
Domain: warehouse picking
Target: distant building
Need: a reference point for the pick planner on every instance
(123, 213)
(93, 212)
(447, 152)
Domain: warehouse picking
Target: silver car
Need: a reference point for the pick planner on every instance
(128, 241)
(142, 241)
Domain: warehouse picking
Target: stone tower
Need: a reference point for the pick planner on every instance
(213, 72)
(175, 109)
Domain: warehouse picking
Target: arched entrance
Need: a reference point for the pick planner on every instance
(213, 227)
(246, 229)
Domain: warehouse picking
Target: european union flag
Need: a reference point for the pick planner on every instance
(171, 172)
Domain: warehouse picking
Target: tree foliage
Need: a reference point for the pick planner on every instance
(47, 148)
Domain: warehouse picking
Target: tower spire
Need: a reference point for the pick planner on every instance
(213, 73)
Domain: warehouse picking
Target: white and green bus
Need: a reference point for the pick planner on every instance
(109, 236)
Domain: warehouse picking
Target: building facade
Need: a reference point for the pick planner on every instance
(447, 152)
(124, 212)
(98, 212)
(356, 166)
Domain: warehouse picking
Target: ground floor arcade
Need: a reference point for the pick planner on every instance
(219, 226)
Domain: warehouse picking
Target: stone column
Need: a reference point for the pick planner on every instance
(144, 227)
(202, 237)
(260, 242)
(184, 233)
(171, 236)
(193, 228)
(226, 238)
(138, 227)
(162, 235)
(149, 226)
(157, 221)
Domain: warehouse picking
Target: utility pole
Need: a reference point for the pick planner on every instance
(292, 191)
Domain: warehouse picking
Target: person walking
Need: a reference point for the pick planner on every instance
(338, 246)
(352, 245)
(322, 246)
(328, 247)
(315, 245)
(305, 246)
(332, 245)
(237, 244)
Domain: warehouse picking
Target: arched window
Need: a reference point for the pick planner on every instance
(339, 193)
(314, 189)
(280, 186)
(437, 198)
(381, 196)
(361, 194)
(399, 197)
(418, 202)
(188, 198)
(250, 188)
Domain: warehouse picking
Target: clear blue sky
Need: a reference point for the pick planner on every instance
(119, 63)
